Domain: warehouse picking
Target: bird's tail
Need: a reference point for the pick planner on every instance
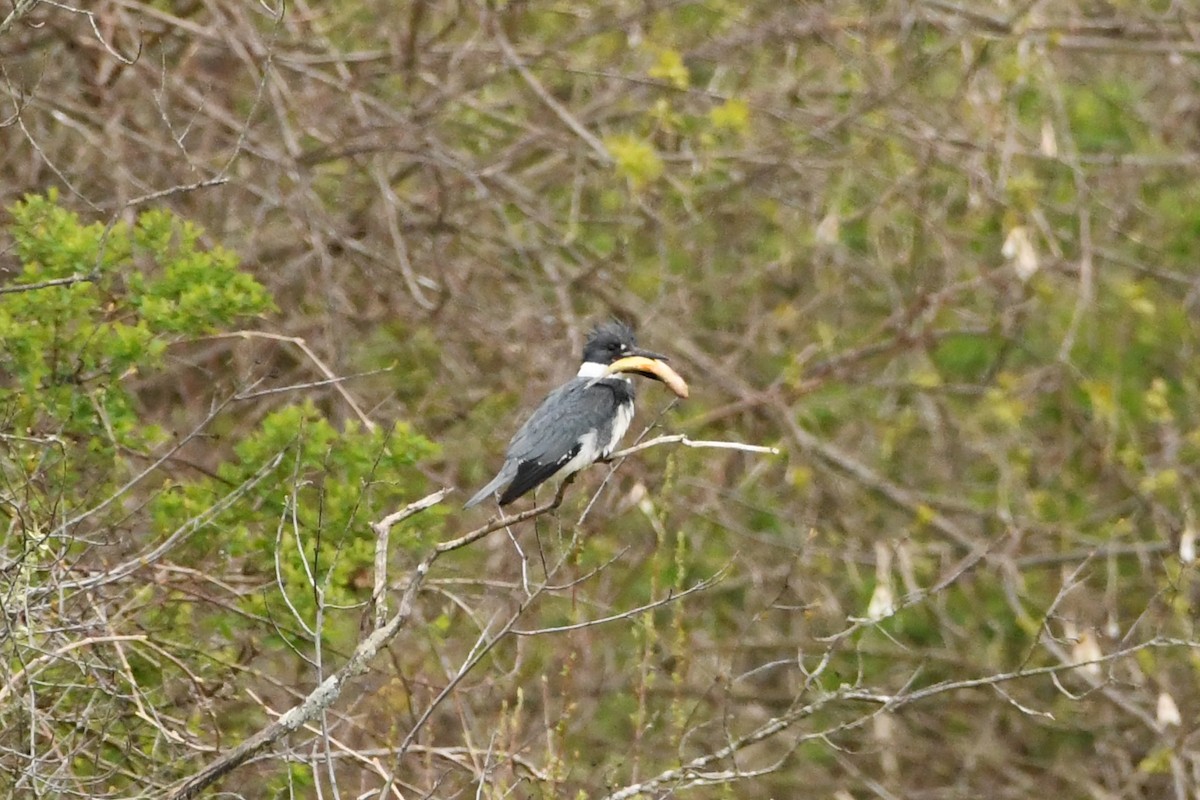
(507, 473)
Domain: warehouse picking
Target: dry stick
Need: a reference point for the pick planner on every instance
(304, 348)
(355, 754)
(677, 438)
(20, 675)
(136, 479)
(185, 530)
(174, 190)
(19, 9)
(300, 387)
(383, 529)
(399, 244)
(672, 596)
(1087, 279)
(483, 645)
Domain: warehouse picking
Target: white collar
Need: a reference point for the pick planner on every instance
(592, 369)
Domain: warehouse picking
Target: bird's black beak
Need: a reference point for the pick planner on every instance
(637, 351)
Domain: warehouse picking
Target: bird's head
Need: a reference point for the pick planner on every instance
(611, 348)
(611, 341)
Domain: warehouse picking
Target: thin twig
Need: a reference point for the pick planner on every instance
(548, 99)
(179, 534)
(20, 675)
(20, 9)
(173, 190)
(136, 479)
(886, 702)
(298, 387)
(671, 597)
(328, 691)
(29, 287)
(312, 356)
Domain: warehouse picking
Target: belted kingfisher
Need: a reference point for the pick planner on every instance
(584, 419)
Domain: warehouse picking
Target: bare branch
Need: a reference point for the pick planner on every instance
(20, 8)
(559, 110)
(670, 598)
(29, 287)
(681, 775)
(304, 347)
(174, 190)
(178, 535)
(324, 694)
(383, 529)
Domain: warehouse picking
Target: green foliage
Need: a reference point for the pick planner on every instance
(1100, 118)
(287, 505)
(965, 357)
(669, 67)
(140, 288)
(636, 159)
(68, 350)
(733, 114)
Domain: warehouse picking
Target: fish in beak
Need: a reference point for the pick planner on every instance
(650, 365)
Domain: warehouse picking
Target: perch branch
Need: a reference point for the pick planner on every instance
(679, 438)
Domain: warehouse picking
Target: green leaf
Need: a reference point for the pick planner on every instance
(732, 115)
(670, 68)
(636, 159)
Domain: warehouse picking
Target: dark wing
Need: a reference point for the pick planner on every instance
(551, 436)
(534, 473)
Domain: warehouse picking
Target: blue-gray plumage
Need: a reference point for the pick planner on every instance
(579, 422)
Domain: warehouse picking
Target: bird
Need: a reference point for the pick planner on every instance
(583, 420)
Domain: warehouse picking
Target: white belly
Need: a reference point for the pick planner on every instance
(590, 449)
(620, 425)
(588, 453)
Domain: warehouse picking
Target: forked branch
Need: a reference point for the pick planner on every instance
(385, 628)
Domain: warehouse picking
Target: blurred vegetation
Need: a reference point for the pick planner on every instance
(941, 254)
